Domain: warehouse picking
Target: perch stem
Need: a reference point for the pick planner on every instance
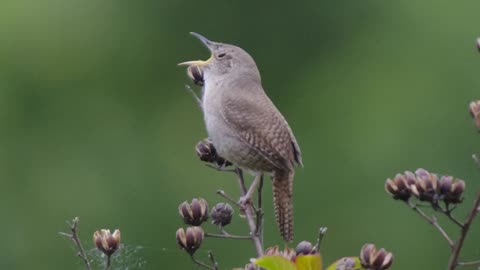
(74, 237)
(249, 215)
(453, 262)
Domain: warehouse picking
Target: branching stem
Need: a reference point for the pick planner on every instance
(249, 211)
(74, 237)
(453, 262)
(227, 236)
(202, 264)
(432, 220)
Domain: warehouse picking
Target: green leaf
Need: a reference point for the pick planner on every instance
(275, 263)
(346, 263)
(309, 262)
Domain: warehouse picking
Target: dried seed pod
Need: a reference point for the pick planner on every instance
(347, 263)
(191, 239)
(207, 152)
(398, 187)
(222, 214)
(374, 259)
(194, 213)
(305, 248)
(107, 242)
(425, 187)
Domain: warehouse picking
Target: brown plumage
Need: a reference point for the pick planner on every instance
(245, 126)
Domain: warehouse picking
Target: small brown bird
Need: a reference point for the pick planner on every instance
(245, 126)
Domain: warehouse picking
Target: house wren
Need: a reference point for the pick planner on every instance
(245, 126)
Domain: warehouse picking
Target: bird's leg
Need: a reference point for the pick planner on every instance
(246, 198)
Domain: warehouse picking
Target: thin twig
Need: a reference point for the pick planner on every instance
(222, 193)
(227, 236)
(258, 210)
(212, 259)
(241, 180)
(107, 266)
(321, 233)
(473, 263)
(432, 220)
(453, 262)
(249, 215)
(195, 96)
(448, 213)
(74, 237)
(202, 264)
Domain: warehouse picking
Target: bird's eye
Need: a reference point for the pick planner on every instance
(221, 55)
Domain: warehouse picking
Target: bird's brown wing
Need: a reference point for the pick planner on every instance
(259, 124)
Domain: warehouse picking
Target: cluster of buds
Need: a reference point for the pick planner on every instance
(475, 112)
(191, 239)
(374, 259)
(107, 242)
(194, 213)
(195, 73)
(222, 214)
(207, 152)
(426, 186)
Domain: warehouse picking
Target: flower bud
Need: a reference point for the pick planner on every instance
(305, 248)
(475, 112)
(191, 239)
(194, 213)
(372, 259)
(398, 187)
(346, 263)
(456, 192)
(478, 44)
(207, 152)
(425, 187)
(250, 266)
(107, 242)
(222, 214)
(196, 74)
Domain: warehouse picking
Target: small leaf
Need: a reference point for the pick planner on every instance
(274, 263)
(346, 263)
(309, 262)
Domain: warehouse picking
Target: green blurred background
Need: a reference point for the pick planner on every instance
(95, 121)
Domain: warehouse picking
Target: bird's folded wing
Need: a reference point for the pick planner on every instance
(259, 124)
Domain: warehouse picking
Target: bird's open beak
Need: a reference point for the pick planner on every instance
(210, 46)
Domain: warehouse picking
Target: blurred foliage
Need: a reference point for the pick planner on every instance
(95, 120)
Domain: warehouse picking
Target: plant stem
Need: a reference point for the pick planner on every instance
(222, 193)
(321, 233)
(227, 236)
(107, 266)
(74, 237)
(453, 262)
(212, 259)
(249, 215)
(432, 220)
(202, 264)
(472, 263)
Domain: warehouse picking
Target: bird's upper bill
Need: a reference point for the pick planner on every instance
(210, 46)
